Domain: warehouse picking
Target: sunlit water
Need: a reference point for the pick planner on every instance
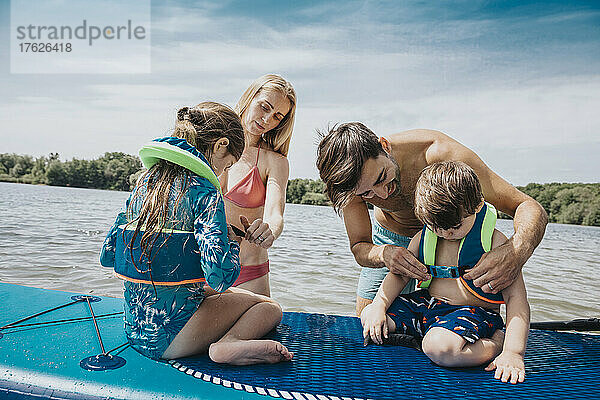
(50, 237)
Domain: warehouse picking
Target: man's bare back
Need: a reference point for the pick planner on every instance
(410, 151)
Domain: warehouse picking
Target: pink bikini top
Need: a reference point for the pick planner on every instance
(250, 192)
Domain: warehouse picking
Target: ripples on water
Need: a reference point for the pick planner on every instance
(51, 237)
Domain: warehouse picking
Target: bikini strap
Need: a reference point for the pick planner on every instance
(257, 154)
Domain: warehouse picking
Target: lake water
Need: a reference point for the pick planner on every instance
(50, 237)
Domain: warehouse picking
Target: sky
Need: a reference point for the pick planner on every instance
(517, 82)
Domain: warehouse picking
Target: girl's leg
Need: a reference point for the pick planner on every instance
(449, 349)
(226, 323)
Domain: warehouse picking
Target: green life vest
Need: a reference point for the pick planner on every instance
(477, 242)
(178, 256)
(154, 151)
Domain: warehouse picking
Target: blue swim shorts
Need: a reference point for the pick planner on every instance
(370, 278)
(415, 313)
(152, 320)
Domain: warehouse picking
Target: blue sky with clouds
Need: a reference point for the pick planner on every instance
(518, 82)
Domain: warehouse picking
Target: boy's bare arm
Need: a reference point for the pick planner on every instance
(393, 284)
(517, 317)
(373, 317)
(509, 364)
(390, 288)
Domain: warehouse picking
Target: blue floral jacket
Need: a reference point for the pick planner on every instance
(196, 246)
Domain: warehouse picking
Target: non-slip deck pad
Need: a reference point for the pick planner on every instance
(331, 362)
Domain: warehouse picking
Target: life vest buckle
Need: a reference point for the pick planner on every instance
(445, 271)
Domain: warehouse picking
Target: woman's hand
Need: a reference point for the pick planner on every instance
(258, 232)
(374, 322)
(509, 366)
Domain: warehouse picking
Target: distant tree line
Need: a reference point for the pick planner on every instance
(568, 203)
(112, 171)
(306, 191)
(565, 203)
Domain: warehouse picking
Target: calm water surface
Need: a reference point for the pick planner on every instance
(50, 237)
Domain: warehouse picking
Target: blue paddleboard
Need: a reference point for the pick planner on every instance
(45, 361)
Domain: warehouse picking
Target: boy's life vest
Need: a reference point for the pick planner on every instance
(477, 242)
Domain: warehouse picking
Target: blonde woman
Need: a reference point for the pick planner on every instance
(255, 185)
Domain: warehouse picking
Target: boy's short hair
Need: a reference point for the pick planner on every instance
(446, 192)
(341, 156)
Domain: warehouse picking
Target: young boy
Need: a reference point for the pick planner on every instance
(459, 323)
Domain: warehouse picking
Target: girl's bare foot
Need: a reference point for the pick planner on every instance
(247, 352)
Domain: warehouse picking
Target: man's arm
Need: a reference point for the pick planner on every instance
(501, 266)
(398, 259)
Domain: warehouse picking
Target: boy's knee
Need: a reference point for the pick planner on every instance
(442, 346)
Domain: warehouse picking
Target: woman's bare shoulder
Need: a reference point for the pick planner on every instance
(273, 158)
(274, 164)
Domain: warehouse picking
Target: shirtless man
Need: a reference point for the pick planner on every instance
(358, 168)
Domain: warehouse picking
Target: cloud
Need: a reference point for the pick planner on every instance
(550, 113)
(506, 79)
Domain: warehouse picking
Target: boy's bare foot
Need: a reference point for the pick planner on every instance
(247, 352)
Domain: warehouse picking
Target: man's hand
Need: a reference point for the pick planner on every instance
(400, 261)
(497, 269)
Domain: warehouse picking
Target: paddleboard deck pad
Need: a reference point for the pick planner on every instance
(43, 361)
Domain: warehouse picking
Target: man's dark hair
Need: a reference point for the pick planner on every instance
(341, 156)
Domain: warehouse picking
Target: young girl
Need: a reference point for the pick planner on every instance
(173, 250)
(256, 184)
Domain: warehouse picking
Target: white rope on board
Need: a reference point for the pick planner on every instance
(254, 389)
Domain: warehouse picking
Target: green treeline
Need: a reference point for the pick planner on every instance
(306, 191)
(568, 203)
(115, 171)
(111, 171)
(565, 203)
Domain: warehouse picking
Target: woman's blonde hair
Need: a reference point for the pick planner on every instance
(279, 137)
